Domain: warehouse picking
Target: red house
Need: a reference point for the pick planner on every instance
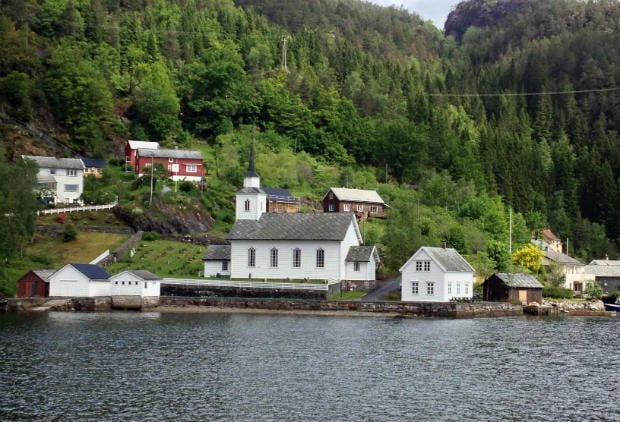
(132, 148)
(181, 164)
(34, 283)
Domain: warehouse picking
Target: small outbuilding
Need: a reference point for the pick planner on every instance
(512, 287)
(217, 261)
(135, 289)
(362, 262)
(35, 283)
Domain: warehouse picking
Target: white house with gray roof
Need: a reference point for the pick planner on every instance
(59, 180)
(436, 275)
(140, 283)
(293, 246)
(217, 261)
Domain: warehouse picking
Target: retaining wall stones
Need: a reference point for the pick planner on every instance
(134, 302)
(192, 291)
(432, 309)
(55, 229)
(122, 249)
(361, 285)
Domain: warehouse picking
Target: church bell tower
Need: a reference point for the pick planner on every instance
(251, 200)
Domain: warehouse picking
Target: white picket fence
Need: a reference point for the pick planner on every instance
(247, 284)
(103, 255)
(77, 209)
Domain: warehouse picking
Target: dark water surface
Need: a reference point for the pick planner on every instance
(151, 366)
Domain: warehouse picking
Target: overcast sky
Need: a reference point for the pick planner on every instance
(434, 10)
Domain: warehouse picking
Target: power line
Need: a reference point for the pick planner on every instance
(524, 94)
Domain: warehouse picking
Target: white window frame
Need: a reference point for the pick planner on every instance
(191, 168)
(224, 265)
(71, 172)
(466, 288)
(320, 258)
(458, 287)
(173, 168)
(330, 207)
(77, 188)
(346, 207)
(171, 160)
(418, 265)
(360, 207)
(251, 257)
(430, 288)
(374, 208)
(356, 266)
(273, 258)
(296, 258)
(246, 205)
(415, 287)
(449, 287)
(427, 266)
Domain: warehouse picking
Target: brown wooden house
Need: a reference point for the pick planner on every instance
(35, 283)
(364, 203)
(512, 287)
(280, 200)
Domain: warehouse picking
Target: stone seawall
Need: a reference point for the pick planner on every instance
(195, 291)
(406, 309)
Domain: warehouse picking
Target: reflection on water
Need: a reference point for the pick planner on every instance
(151, 366)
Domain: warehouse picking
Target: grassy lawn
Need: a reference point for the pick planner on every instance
(351, 295)
(165, 258)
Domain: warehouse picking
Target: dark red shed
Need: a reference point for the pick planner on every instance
(34, 283)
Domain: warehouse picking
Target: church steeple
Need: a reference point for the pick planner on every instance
(251, 179)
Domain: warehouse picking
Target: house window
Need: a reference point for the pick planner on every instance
(191, 168)
(145, 285)
(356, 266)
(465, 288)
(52, 171)
(418, 265)
(423, 266)
(427, 266)
(296, 257)
(346, 207)
(71, 172)
(331, 195)
(331, 207)
(450, 288)
(123, 283)
(430, 288)
(171, 160)
(458, 288)
(320, 258)
(72, 188)
(360, 207)
(374, 208)
(274, 257)
(224, 265)
(415, 287)
(251, 257)
(116, 282)
(247, 205)
(173, 168)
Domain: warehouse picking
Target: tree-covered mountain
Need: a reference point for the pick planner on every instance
(363, 86)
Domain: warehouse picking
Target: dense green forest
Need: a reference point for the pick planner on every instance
(368, 94)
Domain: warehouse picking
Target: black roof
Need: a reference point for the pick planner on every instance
(217, 253)
(300, 226)
(94, 162)
(251, 170)
(282, 195)
(92, 271)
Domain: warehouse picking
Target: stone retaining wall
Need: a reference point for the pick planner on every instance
(134, 302)
(55, 229)
(195, 291)
(361, 285)
(449, 310)
(122, 249)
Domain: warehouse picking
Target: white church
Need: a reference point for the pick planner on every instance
(316, 246)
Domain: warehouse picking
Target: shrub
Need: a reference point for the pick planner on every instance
(149, 236)
(69, 234)
(62, 217)
(558, 292)
(186, 186)
(594, 290)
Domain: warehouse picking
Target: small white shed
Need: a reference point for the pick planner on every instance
(135, 283)
(80, 280)
(217, 261)
(362, 263)
(436, 275)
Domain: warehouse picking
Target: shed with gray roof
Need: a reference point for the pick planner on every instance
(518, 287)
(169, 153)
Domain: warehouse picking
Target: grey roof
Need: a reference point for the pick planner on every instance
(170, 153)
(448, 258)
(55, 163)
(144, 274)
(250, 190)
(519, 280)
(603, 270)
(44, 274)
(606, 262)
(561, 258)
(357, 195)
(217, 253)
(93, 162)
(360, 253)
(92, 271)
(299, 226)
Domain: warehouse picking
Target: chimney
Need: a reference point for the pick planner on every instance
(57, 155)
(443, 244)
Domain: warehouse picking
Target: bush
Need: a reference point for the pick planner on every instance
(149, 236)
(594, 290)
(186, 186)
(62, 217)
(557, 292)
(69, 234)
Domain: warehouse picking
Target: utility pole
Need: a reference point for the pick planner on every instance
(386, 173)
(284, 64)
(152, 172)
(510, 231)
(566, 247)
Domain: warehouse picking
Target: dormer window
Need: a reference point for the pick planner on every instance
(246, 205)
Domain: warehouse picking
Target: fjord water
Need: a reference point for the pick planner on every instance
(183, 366)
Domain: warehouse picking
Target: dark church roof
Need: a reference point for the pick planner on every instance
(300, 226)
(251, 170)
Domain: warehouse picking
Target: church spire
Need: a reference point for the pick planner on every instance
(251, 169)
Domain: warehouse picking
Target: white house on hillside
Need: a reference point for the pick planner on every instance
(80, 280)
(293, 245)
(436, 275)
(60, 180)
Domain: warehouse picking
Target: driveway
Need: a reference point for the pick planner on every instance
(378, 294)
